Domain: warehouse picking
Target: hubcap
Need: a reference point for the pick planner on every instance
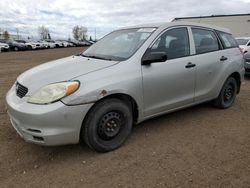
(110, 125)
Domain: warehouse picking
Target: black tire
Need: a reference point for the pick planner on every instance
(16, 48)
(227, 94)
(107, 125)
(29, 48)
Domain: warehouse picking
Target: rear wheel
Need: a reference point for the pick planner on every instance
(16, 48)
(107, 125)
(227, 95)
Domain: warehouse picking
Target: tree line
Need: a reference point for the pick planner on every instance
(79, 33)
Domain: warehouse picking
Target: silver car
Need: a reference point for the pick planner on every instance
(244, 43)
(130, 75)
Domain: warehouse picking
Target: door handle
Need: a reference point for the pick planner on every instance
(223, 58)
(190, 65)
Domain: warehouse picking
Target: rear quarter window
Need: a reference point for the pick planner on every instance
(227, 40)
(205, 40)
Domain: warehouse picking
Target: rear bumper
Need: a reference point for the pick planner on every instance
(53, 124)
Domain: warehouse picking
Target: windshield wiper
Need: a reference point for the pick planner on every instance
(96, 57)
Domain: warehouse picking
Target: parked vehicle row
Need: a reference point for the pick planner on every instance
(22, 44)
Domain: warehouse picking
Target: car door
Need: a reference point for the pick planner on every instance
(170, 84)
(210, 62)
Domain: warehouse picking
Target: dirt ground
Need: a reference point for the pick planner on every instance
(196, 147)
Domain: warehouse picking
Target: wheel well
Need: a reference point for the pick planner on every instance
(123, 97)
(236, 76)
(128, 100)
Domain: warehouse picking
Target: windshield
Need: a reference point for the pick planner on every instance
(242, 41)
(119, 45)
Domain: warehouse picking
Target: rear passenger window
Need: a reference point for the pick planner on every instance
(227, 40)
(205, 41)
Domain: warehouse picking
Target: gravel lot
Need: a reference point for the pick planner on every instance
(196, 147)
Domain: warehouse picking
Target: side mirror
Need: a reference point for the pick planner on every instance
(153, 57)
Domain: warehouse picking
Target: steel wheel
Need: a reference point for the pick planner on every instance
(107, 125)
(110, 125)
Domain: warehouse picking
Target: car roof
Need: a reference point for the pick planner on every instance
(178, 23)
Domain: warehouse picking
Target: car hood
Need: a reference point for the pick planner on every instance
(65, 69)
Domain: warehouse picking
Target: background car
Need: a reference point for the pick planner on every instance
(58, 44)
(81, 43)
(247, 63)
(49, 44)
(4, 47)
(44, 44)
(244, 43)
(15, 46)
(71, 44)
(65, 43)
(32, 45)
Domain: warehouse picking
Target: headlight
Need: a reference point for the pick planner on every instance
(53, 92)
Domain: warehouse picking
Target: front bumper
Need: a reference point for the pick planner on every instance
(4, 48)
(53, 124)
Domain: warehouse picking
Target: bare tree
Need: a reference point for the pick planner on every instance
(6, 35)
(79, 32)
(43, 32)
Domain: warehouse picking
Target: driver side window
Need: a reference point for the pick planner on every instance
(175, 42)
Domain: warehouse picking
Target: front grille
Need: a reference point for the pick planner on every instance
(21, 90)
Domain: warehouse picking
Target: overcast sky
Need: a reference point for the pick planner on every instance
(105, 15)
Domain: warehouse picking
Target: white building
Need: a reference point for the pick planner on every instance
(239, 24)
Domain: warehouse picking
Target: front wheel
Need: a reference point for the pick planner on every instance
(227, 94)
(107, 125)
